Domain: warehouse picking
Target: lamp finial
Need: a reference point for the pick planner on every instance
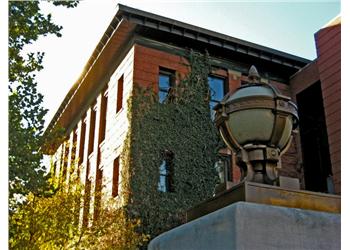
(253, 75)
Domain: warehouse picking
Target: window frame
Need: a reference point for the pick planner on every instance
(92, 128)
(225, 90)
(82, 140)
(120, 92)
(166, 174)
(172, 78)
(115, 180)
(103, 115)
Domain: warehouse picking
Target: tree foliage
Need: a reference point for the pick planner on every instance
(51, 222)
(114, 229)
(45, 222)
(26, 114)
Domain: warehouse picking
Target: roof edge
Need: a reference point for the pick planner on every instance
(89, 64)
(126, 10)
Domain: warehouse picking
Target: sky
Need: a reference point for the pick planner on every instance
(286, 26)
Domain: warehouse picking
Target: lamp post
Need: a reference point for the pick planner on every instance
(256, 122)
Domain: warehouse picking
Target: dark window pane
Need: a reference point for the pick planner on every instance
(115, 182)
(217, 90)
(120, 93)
(163, 173)
(162, 96)
(163, 168)
(166, 172)
(92, 130)
(103, 118)
(164, 81)
(82, 141)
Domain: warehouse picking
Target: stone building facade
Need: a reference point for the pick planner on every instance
(140, 48)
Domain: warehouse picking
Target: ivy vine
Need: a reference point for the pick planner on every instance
(183, 126)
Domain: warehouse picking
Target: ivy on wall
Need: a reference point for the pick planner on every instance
(183, 126)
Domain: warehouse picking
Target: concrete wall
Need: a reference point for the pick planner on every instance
(250, 226)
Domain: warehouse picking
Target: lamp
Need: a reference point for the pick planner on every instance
(256, 122)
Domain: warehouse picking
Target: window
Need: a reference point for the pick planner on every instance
(65, 161)
(102, 126)
(217, 92)
(98, 195)
(87, 196)
(74, 146)
(103, 118)
(226, 159)
(73, 154)
(82, 141)
(115, 177)
(165, 82)
(60, 166)
(120, 93)
(166, 173)
(92, 130)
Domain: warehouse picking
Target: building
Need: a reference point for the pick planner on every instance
(142, 49)
(316, 90)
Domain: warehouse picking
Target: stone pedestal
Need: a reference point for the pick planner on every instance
(245, 225)
(269, 195)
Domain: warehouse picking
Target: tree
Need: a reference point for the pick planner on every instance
(45, 222)
(26, 114)
(52, 223)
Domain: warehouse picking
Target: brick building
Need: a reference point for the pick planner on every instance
(140, 48)
(316, 90)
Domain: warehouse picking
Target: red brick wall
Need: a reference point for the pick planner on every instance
(328, 51)
(147, 62)
(299, 82)
(326, 69)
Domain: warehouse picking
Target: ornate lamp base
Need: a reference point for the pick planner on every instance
(259, 163)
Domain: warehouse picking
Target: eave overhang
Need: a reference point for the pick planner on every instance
(161, 23)
(98, 64)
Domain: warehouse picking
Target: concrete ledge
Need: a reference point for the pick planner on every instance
(250, 226)
(269, 195)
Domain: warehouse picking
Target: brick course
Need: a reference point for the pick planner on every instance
(328, 48)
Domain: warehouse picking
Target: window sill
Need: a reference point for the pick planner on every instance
(91, 155)
(119, 112)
